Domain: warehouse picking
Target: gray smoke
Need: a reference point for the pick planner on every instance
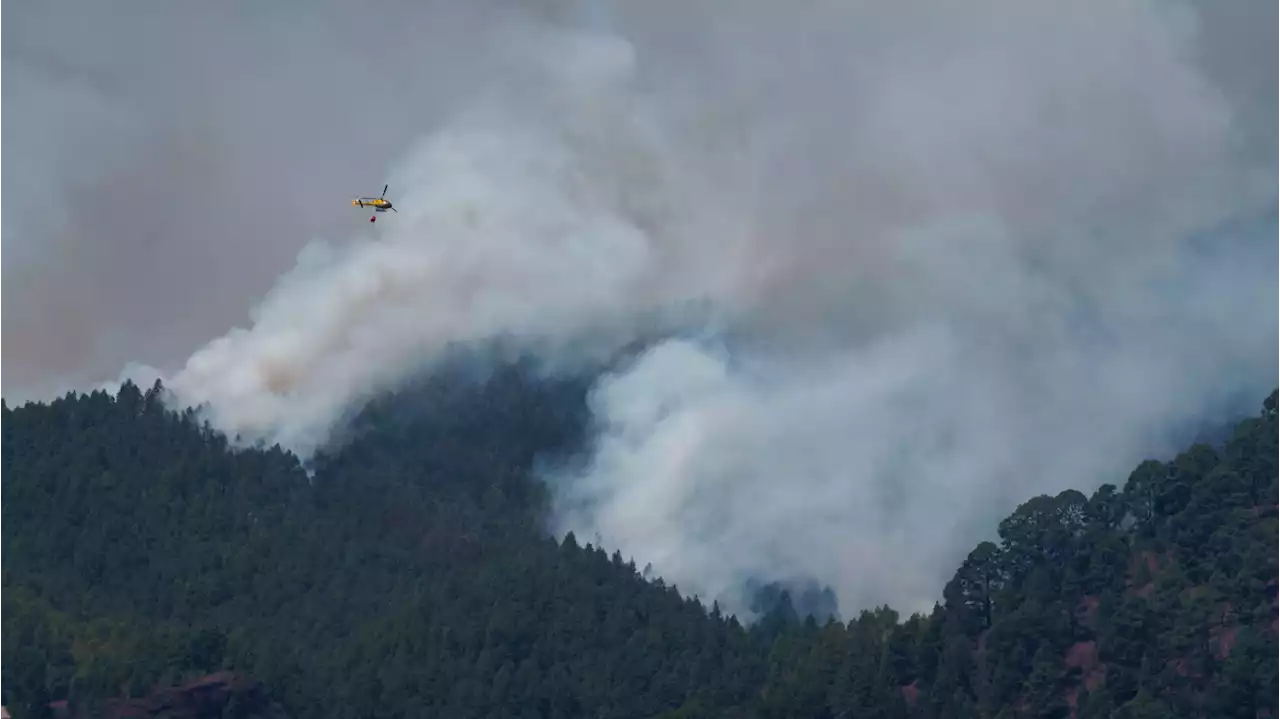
(166, 161)
(954, 258)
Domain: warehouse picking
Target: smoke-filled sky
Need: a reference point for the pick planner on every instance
(954, 255)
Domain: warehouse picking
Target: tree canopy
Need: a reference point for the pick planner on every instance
(409, 575)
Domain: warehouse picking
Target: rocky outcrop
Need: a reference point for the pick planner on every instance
(225, 695)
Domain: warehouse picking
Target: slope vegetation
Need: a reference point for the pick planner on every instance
(410, 576)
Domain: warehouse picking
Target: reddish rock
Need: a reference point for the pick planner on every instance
(203, 698)
(910, 693)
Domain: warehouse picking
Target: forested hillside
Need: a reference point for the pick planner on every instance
(411, 577)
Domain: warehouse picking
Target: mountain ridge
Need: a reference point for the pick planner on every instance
(412, 573)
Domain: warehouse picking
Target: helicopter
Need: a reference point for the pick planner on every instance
(379, 204)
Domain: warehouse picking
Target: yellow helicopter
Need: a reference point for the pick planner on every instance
(379, 204)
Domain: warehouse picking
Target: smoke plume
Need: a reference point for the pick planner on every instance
(942, 260)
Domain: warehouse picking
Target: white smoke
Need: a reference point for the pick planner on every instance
(508, 221)
(958, 242)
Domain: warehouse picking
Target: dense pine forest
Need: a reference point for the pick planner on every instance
(407, 574)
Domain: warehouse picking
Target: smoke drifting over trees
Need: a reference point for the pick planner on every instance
(927, 247)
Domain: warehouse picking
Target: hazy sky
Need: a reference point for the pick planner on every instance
(954, 255)
(186, 151)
